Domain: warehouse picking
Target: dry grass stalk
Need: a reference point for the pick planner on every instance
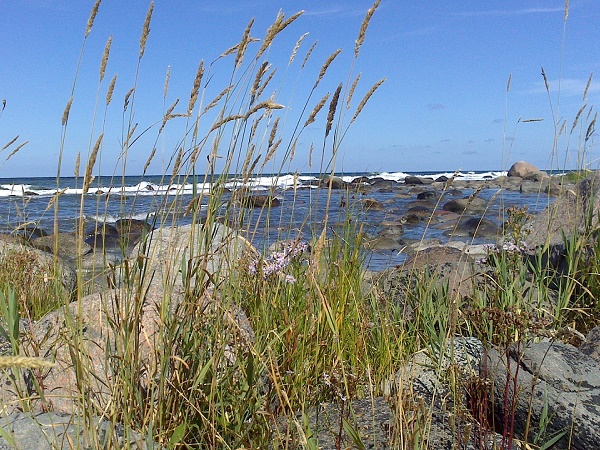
(217, 99)
(587, 86)
(168, 115)
(259, 74)
(178, 161)
(273, 133)
(167, 79)
(249, 155)
(146, 30)
(332, 109)
(16, 150)
(105, 55)
(261, 89)
(24, 362)
(65, 116)
(196, 87)
(577, 117)
(562, 128)
(254, 127)
(296, 47)
(352, 89)
(127, 96)
(566, 16)
(363, 28)
(277, 27)
(308, 53)
(326, 66)
(545, 80)
(92, 17)
(87, 179)
(591, 128)
(266, 105)
(243, 45)
(272, 150)
(315, 111)
(111, 89)
(77, 165)
(310, 153)
(293, 149)
(366, 98)
(149, 160)
(130, 134)
(508, 82)
(10, 143)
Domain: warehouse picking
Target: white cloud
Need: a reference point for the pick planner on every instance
(513, 12)
(567, 86)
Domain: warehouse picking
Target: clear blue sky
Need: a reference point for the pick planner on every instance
(444, 105)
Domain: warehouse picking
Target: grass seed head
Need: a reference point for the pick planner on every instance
(326, 65)
(363, 28)
(366, 98)
(65, 116)
(111, 89)
(105, 55)
(332, 109)
(146, 30)
(92, 17)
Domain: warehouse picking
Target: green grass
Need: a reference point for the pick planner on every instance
(323, 330)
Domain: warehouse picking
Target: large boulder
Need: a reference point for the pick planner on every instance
(88, 341)
(553, 385)
(38, 267)
(573, 213)
(524, 169)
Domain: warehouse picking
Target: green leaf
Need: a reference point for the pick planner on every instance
(178, 434)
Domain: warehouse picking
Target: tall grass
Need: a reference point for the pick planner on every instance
(202, 341)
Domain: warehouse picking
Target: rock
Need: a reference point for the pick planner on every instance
(382, 243)
(166, 249)
(470, 204)
(410, 179)
(68, 246)
(260, 201)
(382, 183)
(552, 383)
(53, 431)
(428, 195)
(334, 182)
(132, 230)
(103, 318)
(591, 345)
(476, 227)
(370, 204)
(522, 169)
(572, 213)
(30, 232)
(40, 267)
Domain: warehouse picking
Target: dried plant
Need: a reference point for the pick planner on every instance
(308, 53)
(146, 30)
(127, 97)
(11, 142)
(366, 98)
(167, 79)
(111, 89)
(149, 160)
(296, 47)
(316, 109)
(217, 99)
(92, 17)
(277, 27)
(14, 152)
(196, 88)
(87, 179)
(105, 55)
(65, 116)
(363, 28)
(352, 89)
(332, 109)
(243, 45)
(326, 65)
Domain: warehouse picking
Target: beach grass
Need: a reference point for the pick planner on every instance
(215, 344)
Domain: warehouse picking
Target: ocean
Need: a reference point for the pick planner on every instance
(29, 201)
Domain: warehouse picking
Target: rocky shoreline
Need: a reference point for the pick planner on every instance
(554, 375)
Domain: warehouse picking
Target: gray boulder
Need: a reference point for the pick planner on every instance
(523, 169)
(556, 389)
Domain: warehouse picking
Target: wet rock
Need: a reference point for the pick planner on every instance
(68, 247)
(370, 204)
(470, 204)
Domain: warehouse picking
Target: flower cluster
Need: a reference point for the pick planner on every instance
(277, 261)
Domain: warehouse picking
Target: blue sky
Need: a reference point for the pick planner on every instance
(444, 105)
